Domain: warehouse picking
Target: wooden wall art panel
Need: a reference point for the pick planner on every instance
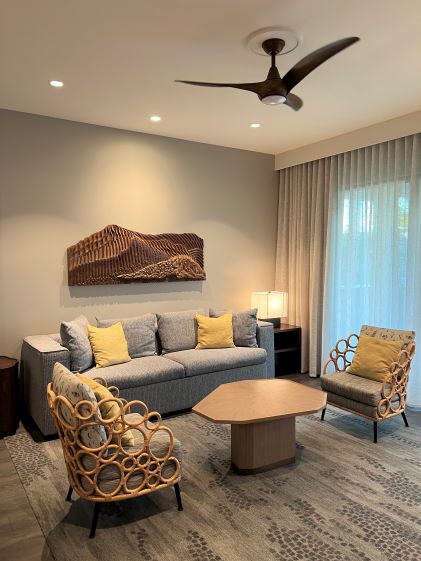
(116, 255)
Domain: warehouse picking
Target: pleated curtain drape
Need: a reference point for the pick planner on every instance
(301, 249)
(349, 247)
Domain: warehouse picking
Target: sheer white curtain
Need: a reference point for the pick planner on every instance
(373, 251)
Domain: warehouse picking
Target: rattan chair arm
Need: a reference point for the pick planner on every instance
(115, 392)
(341, 355)
(394, 386)
(100, 381)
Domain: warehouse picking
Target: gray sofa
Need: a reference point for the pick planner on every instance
(166, 383)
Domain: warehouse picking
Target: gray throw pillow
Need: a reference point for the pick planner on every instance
(140, 333)
(178, 330)
(74, 336)
(244, 326)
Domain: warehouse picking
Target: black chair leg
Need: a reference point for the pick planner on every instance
(405, 420)
(375, 431)
(94, 519)
(69, 494)
(322, 418)
(178, 496)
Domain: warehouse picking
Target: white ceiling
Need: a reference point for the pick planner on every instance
(119, 59)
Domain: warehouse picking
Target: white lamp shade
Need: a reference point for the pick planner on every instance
(271, 304)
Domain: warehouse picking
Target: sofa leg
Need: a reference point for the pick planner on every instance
(69, 494)
(178, 496)
(375, 431)
(94, 519)
(404, 419)
(322, 418)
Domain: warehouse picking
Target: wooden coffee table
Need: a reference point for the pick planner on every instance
(262, 417)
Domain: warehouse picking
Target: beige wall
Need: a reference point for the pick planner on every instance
(61, 181)
(379, 132)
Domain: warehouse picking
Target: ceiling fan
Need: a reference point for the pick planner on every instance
(276, 90)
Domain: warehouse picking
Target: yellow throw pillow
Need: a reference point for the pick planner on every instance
(373, 357)
(214, 333)
(109, 410)
(108, 344)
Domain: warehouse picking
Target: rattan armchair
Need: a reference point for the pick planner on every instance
(375, 401)
(113, 471)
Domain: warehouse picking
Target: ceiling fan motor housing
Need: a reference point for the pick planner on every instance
(273, 46)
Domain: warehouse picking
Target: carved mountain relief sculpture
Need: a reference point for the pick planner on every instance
(116, 255)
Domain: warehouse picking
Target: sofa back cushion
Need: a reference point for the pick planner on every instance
(244, 326)
(140, 333)
(68, 385)
(74, 336)
(178, 330)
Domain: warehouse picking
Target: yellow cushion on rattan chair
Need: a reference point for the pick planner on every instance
(109, 409)
(109, 345)
(373, 357)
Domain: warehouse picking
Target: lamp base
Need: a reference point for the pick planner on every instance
(276, 321)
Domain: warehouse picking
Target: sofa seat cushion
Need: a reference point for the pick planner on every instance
(204, 361)
(138, 372)
(109, 478)
(352, 387)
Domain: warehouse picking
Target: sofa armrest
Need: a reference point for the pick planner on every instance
(265, 340)
(39, 354)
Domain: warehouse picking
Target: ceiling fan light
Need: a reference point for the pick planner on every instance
(274, 99)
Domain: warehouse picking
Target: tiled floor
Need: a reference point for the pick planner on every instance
(21, 538)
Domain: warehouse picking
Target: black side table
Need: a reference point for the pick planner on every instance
(9, 391)
(287, 349)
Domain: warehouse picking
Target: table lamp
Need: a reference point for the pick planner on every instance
(271, 305)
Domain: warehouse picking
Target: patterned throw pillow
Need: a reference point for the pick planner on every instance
(140, 333)
(67, 384)
(74, 336)
(244, 326)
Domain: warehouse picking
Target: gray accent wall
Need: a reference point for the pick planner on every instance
(61, 181)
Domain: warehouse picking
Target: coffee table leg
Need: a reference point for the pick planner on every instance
(261, 446)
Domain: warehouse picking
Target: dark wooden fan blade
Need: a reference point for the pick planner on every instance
(294, 101)
(315, 59)
(252, 87)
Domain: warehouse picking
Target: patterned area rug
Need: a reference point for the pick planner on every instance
(345, 499)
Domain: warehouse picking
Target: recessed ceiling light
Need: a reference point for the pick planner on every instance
(56, 83)
(255, 125)
(155, 118)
